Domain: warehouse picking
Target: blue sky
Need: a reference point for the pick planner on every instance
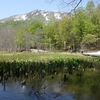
(13, 7)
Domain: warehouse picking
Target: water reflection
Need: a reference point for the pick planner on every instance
(50, 90)
(14, 91)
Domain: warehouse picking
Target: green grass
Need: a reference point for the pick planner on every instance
(39, 56)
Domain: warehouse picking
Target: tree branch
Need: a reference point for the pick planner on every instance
(76, 5)
(66, 3)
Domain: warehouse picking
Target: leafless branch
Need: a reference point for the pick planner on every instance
(65, 3)
(72, 2)
(77, 5)
(50, 1)
(68, 2)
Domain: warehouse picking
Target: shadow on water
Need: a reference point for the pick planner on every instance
(56, 91)
(54, 88)
(14, 91)
(53, 80)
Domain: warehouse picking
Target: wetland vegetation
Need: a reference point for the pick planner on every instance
(47, 73)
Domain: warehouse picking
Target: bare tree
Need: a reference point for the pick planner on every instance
(66, 3)
(7, 35)
(72, 3)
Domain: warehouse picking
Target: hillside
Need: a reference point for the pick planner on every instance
(41, 15)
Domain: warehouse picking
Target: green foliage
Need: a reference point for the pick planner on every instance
(90, 7)
(49, 33)
(90, 39)
(65, 27)
(35, 26)
(19, 37)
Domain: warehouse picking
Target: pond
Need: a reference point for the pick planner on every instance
(14, 91)
(47, 89)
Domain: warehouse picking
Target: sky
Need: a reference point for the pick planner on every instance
(13, 7)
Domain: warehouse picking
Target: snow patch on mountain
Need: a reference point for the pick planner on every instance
(57, 15)
(19, 17)
(47, 15)
(24, 17)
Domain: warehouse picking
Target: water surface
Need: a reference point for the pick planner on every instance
(53, 91)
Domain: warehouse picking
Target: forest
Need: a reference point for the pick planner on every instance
(78, 30)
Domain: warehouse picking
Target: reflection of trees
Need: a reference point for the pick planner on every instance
(41, 92)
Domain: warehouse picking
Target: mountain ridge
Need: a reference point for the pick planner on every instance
(46, 15)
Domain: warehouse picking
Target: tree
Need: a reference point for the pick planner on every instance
(66, 3)
(78, 28)
(90, 7)
(39, 38)
(65, 27)
(7, 36)
(49, 35)
(24, 39)
(97, 23)
(98, 7)
(35, 25)
(89, 40)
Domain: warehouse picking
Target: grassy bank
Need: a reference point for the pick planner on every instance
(26, 62)
(39, 56)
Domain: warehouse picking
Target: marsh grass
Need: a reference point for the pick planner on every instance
(38, 56)
(79, 69)
(60, 62)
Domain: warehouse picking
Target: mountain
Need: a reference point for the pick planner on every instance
(37, 14)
